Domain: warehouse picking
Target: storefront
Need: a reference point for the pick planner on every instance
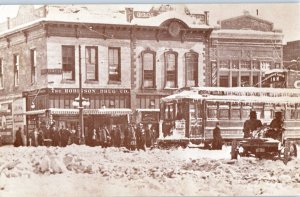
(11, 118)
(6, 123)
(107, 107)
(149, 118)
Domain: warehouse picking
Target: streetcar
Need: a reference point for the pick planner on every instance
(189, 116)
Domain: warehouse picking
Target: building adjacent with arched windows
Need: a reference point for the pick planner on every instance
(168, 54)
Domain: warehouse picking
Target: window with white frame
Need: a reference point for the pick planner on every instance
(191, 64)
(1, 73)
(91, 54)
(114, 64)
(68, 62)
(148, 64)
(16, 69)
(171, 69)
(33, 65)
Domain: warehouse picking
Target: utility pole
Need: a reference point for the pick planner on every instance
(81, 125)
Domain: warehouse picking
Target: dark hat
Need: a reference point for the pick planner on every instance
(278, 114)
(252, 113)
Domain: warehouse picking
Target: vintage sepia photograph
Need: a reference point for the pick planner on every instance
(150, 100)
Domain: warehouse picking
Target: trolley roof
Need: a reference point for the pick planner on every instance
(237, 94)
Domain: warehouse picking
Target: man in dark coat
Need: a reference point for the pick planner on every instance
(149, 136)
(117, 136)
(252, 124)
(56, 136)
(140, 137)
(132, 143)
(277, 126)
(18, 142)
(105, 138)
(65, 135)
(217, 138)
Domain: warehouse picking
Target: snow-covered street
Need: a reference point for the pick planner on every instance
(93, 171)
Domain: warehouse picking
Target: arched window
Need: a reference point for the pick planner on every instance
(171, 68)
(148, 65)
(191, 65)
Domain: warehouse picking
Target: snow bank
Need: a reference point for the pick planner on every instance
(93, 171)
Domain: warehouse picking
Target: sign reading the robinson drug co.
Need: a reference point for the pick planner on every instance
(90, 91)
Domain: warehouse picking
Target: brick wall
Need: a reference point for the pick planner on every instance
(19, 45)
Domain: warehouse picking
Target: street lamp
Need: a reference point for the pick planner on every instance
(80, 103)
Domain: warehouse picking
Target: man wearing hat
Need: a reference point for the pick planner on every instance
(277, 125)
(140, 137)
(252, 124)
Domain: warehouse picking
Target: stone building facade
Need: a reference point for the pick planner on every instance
(242, 49)
(128, 60)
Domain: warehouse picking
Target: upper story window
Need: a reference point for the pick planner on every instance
(191, 61)
(224, 64)
(148, 63)
(114, 64)
(1, 73)
(68, 62)
(235, 64)
(91, 54)
(245, 64)
(171, 69)
(16, 69)
(33, 65)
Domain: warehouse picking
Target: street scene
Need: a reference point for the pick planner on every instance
(149, 100)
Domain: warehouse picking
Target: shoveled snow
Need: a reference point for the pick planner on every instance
(93, 171)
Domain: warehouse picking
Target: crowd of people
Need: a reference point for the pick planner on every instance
(133, 136)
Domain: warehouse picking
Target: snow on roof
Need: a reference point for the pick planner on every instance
(157, 20)
(275, 71)
(245, 90)
(87, 13)
(21, 27)
(102, 14)
(193, 94)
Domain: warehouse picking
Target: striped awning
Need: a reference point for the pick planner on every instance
(35, 112)
(61, 111)
(108, 111)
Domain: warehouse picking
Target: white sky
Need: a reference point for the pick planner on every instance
(285, 16)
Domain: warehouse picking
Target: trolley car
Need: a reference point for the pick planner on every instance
(190, 115)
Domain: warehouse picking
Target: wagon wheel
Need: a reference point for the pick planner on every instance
(293, 150)
(234, 151)
(290, 151)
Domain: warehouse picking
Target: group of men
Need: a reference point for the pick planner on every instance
(276, 126)
(131, 136)
(275, 131)
(52, 136)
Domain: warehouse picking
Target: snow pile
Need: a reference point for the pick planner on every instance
(93, 171)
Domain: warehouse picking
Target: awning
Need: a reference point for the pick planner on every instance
(35, 112)
(108, 111)
(147, 110)
(61, 111)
